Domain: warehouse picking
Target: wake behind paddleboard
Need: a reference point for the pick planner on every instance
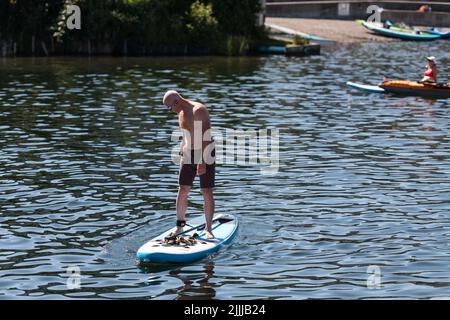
(224, 228)
(365, 87)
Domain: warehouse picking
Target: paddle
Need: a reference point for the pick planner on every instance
(199, 227)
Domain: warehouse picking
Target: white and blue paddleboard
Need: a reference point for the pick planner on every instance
(365, 87)
(224, 228)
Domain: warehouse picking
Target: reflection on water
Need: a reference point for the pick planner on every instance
(193, 282)
(86, 177)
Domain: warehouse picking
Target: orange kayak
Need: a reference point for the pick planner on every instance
(405, 87)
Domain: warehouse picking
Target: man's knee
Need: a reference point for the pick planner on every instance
(184, 190)
(207, 191)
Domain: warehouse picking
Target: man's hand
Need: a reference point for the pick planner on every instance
(201, 169)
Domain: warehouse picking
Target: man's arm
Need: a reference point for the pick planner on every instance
(202, 115)
(180, 153)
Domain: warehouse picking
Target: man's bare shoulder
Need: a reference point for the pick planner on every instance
(200, 109)
(198, 105)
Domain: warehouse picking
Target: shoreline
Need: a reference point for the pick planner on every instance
(328, 31)
(339, 31)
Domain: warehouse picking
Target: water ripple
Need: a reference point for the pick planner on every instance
(86, 177)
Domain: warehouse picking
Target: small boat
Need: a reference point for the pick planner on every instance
(271, 49)
(443, 35)
(405, 87)
(400, 33)
(413, 88)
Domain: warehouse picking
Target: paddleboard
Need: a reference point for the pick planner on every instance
(224, 229)
(365, 87)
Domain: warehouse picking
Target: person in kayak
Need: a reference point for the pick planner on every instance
(430, 74)
(197, 157)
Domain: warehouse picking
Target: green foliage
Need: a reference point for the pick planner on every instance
(237, 17)
(237, 24)
(20, 20)
(202, 26)
(224, 26)
(235, 45)
(60, 27)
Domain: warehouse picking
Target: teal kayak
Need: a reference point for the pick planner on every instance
(443, 35)
(271, 49)
(400, 34)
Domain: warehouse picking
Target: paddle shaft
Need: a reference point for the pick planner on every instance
(196, 227)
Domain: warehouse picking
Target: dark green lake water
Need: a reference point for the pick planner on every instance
(363, 182)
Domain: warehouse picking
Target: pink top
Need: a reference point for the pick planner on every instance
(430, 72)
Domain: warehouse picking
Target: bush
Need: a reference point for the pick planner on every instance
(224, 26)
(202, 26)
(237, 17)
(235, 45)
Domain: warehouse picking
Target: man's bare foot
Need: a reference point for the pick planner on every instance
(209, 235)
(176, 232)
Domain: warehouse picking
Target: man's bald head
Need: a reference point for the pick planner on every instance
(171, 97)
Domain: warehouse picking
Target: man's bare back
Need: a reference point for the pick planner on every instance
(198, 113)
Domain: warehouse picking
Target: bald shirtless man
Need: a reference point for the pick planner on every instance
(197, 156)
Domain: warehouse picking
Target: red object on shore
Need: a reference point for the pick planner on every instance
(424, 8)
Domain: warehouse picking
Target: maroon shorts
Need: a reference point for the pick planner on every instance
(188, 171)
